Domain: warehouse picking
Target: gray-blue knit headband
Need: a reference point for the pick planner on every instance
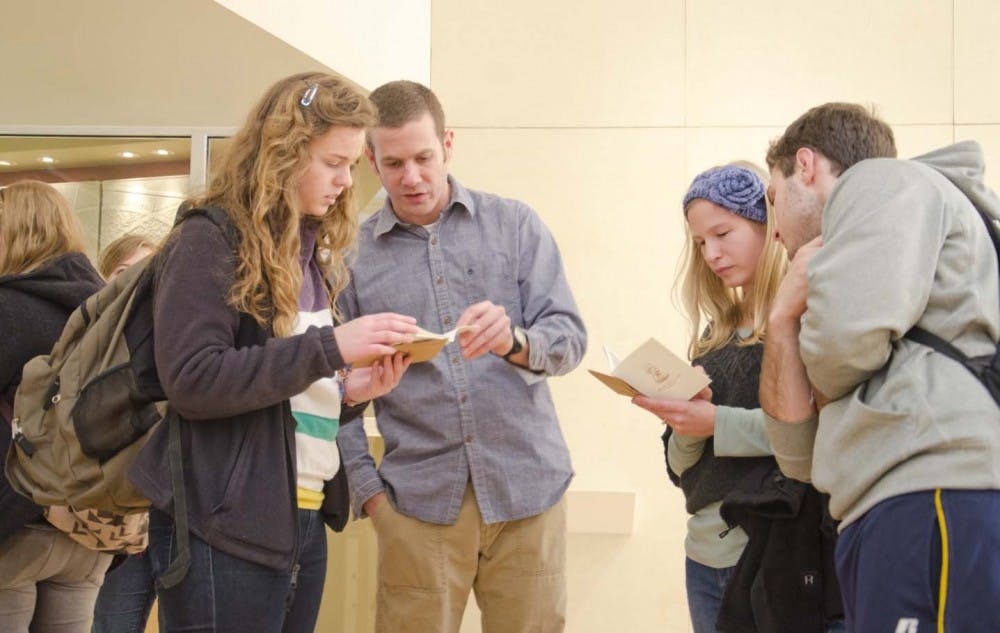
(735, 188)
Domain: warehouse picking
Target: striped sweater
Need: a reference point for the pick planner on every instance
(317, 409)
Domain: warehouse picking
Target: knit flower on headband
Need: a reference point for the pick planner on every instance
(735, 188)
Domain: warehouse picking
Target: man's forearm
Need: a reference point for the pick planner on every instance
(785, 392)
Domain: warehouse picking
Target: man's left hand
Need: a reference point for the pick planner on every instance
(493, 334)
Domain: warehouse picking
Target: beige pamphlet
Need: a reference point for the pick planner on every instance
(652, 370)
(425, 345)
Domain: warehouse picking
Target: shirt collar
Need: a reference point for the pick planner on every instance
(387, 219)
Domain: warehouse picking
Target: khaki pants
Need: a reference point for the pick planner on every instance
(48, 582)
(517, 570)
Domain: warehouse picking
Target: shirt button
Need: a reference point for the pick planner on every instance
(454, 360)
(434, 241)
(468, 439)
(439, 280)
(447, 320)
(462, 398)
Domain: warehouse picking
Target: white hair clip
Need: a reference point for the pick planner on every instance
(309, 95)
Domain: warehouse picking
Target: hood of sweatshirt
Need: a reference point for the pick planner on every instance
(66, 281)
(963, 164)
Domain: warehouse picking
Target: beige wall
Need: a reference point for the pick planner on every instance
(599, 113)
(136, 63)
(341, 33)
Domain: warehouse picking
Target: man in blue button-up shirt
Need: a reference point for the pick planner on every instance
(470, 491)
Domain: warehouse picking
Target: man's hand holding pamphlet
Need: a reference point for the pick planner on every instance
(652, 370)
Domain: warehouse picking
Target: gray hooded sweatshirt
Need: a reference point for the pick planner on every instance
(902, 246)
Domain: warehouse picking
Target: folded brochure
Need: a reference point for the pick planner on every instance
(652, 370)
(425, 345)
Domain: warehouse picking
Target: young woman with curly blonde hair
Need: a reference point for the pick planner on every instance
(248, 353)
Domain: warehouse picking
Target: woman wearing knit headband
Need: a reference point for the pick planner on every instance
(731, 271)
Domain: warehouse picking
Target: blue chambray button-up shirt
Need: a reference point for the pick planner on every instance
(453, 420)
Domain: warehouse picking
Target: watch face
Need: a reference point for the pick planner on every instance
(518, 335)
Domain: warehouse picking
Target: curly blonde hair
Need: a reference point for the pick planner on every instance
(256, 183)
(36, 225)
(714, 311)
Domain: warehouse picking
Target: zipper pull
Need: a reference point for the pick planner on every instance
(52, 395)
(294, 584)
(24, 443)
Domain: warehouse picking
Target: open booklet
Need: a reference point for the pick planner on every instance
(652, 370)
(425, 345)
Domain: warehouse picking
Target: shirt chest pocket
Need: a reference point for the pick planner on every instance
(493, 277)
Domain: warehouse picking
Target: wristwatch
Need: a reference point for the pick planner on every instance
(520, 340)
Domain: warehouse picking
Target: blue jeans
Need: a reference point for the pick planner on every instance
(705, 586)
(222, 593)
(126, 597)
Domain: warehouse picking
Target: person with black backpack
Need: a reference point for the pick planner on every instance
(905, 440)
(46, 578)
(253, 367)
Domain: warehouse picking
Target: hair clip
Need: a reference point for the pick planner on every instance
(309, 95)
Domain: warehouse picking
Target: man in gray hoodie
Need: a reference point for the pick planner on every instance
(905, 440)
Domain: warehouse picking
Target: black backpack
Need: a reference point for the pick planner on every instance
(985, 368)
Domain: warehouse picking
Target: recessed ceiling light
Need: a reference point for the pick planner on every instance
(127, 154)
(6, 163)
(47, 159)
(162, 152)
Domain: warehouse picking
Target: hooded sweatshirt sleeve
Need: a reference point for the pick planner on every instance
(867, 286)
(202, 371)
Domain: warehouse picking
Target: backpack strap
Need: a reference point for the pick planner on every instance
(934, 341)
(179, 566)
(991, 228)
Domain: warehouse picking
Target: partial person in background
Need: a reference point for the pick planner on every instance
(714, 442)
(251, 357)
(126, 250)
(48, 582)
(128, 592)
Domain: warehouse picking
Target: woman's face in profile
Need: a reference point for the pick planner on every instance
(137, 256)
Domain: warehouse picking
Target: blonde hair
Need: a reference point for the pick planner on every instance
(256, 184)
(714, 311)
(36, 225)
(119, 250)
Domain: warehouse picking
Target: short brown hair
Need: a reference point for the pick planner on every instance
(845, 133)
(399, 102)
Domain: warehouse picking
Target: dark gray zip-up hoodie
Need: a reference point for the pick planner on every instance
(228, 381)
(34, 308)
